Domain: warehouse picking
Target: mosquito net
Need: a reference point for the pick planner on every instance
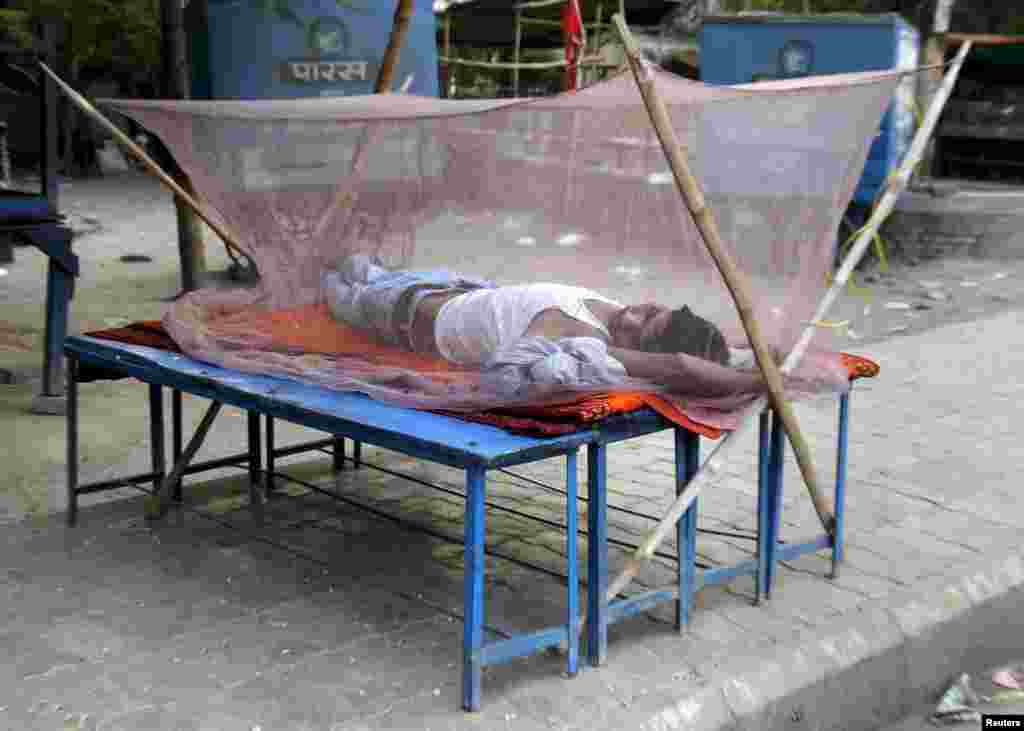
(355, 209)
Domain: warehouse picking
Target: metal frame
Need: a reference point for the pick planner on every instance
(770, 547)
(478, 652)
(774, 549)
(53, 239)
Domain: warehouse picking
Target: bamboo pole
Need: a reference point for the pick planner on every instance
(403, 13)
(736, 282)
(713, 464)
(82, 103)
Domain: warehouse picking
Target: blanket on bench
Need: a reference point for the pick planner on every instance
(310, 329)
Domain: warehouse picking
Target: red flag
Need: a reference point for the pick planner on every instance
(572, 33)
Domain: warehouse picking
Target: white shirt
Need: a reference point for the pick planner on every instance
(472, 327)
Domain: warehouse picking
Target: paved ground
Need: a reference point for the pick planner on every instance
(318, 614)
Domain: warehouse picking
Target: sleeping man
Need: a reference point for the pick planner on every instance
(534, 333)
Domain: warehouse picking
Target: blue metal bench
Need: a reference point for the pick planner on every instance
(34, 218)
(53, 239)
(474, 448)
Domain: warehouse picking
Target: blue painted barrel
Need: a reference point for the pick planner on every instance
(744, 48)
(260, 49)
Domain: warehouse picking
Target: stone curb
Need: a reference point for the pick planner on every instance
(891, 656)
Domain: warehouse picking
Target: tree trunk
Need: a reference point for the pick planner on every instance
(191, 248)
(929, 82)
(49, 112)
(68, 121)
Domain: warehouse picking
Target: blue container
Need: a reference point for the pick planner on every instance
(240, 49)
(744, 48)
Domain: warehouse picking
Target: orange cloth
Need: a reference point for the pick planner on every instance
(859, 367)
(311, 329)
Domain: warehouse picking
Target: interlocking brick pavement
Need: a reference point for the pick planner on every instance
(315, 614)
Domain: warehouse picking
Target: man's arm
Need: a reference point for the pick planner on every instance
(686, 374)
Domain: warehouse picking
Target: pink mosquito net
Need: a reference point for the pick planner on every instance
(572, 189)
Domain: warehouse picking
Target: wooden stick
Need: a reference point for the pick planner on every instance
(736, 282)
(156, 506)
(713, 465)
(403, 12)
(82, 103)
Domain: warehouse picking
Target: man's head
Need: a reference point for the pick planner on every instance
(657, 329)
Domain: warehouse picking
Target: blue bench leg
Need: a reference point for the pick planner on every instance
(59, 284)
(72, 440)
(55, 241)
(776, 462)
(177, 434)
(338, 453)
(473, 588)
(687, 451)
(268, 484)
(597, 554)
(59, 290)
(357, 453)
(572, 561)
(841, 452)
(156, 436)
(255, 456)
(763, 503)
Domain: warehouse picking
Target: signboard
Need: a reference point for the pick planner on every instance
(255, 49)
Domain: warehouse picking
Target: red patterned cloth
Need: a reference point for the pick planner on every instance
(545, 420)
